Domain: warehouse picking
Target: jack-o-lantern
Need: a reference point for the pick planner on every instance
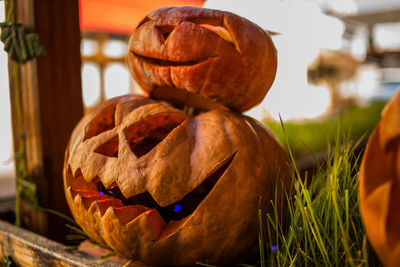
(202, 57)
(380, 185)
(154, 184)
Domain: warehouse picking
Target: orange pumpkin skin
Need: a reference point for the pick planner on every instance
(202, 57)
(380, 185)
(223, 162)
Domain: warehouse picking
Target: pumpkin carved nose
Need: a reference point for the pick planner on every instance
(165, 31)
(144, 135)
(109, 148)
(103, 122)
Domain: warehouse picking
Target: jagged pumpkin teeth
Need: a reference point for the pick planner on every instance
(89, 199)
(78, 173)
(96, 180)
(113, 185)
(75, 180)
(156, 222)
(75, 192)
(128, 213)
(104, 204)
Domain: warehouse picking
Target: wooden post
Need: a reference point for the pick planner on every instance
(51, 103)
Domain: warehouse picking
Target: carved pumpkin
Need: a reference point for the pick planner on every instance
(380, 185)
(202, 57)
(150, 182)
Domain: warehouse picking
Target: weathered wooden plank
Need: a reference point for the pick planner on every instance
(26, 248)
(51, 101)
(60, 97)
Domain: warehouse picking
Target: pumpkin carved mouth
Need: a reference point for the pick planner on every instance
(168, 63)
(164, 220)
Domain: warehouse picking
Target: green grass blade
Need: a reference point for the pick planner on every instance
(261, 238)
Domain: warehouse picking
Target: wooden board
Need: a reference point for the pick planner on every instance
(29, 249)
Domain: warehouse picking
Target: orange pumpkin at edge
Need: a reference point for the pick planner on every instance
(156, 185)
(380, 185)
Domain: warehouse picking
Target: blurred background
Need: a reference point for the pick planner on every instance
(338, 63)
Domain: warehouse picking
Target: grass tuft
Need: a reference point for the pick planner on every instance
(324, 226)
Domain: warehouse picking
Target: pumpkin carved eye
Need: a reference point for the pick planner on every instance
(215, 25)
(142, 136)
(165, 31)
(146, 134)
(109, 148)
(104, 121)
(144, 21)
(218, 27)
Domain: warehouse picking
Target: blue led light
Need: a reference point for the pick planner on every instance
(177, 208)
(274, 248)
(101, 193)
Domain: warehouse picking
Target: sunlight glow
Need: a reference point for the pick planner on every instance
(90, 84)
(368, 81)
(6, 149)
(344, 7)
(117, 78)
(89, 47)
(387, 36)
(115, 48)
(359, 44)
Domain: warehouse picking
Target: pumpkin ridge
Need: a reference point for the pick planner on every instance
(75, 192)
(126, 214)
(104, 204)
(88, 200)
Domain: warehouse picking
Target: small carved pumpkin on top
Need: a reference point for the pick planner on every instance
(202, 57)
(153, 184)
(380, 185)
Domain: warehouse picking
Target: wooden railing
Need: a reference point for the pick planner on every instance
(25, 248)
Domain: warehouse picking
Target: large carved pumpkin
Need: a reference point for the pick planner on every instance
(202, 57)
(380, 185)
(150, 182)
